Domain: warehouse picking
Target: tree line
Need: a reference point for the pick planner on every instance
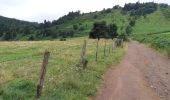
(12, 29)
(140, 9)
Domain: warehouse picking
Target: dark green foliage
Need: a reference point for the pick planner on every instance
(63, 39)
(81, 28)
(75, 27)
(11, 28)
(99, 30)
(117, 7)
(31, 38)
(80, 24)
(140, 9)
(109, 10)
(123, 36)
(69, 16)
(132, 22)
(112, 31)
(129, 30)
(163, 5)
(9, 35)
(95, 16)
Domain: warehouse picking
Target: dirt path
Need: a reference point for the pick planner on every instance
(143, 74)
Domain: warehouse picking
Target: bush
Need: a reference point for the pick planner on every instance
(123, 36)
(81, 28)
(128, 30)
(75, 27)
(31, 38)
(95, 16)
(62, 39)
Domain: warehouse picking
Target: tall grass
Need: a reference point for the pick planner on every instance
(160, 41)
(153, 23)
(20, 64)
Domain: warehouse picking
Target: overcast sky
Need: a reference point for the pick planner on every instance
(38, 10)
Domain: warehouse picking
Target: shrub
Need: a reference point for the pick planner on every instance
(75, 27)
(62, 39)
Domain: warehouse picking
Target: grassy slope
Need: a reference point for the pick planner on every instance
(88, 19)
(157, 23)
(154, 23)
(161, 41)
(20, 65)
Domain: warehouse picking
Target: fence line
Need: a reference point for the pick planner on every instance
(83, 60)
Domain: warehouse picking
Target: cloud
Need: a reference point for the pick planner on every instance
(38, 10)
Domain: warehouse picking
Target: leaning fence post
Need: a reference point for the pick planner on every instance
(109, 48)
(113, 45)
(122, 43)
(97, 48)
(83, 61)
(105, 48)
(42, 74)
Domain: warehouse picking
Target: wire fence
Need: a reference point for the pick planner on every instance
(56, 56)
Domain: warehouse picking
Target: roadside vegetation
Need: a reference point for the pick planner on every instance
(154, 29)
(159, 41)
(20, 61)
(20, 65)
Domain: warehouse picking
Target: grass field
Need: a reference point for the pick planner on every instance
(154, 30)
(153, 23)
(86, 21)
(20, 64)
(159, 41)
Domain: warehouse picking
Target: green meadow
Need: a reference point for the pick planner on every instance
(20, 64)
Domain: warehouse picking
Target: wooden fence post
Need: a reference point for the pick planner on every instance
(122, 43)
(42, 74)
(97, 46)
(83, 61)
(105, 48)
(113, 45)
(109, 48)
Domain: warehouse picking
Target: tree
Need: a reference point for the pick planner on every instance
(31, 37)
(162, 5)
(140, 9)
(99, 30)
(95, 16)
(129, 30)
(8, 36)
(132, 23)
(75, 27)
(113, 31)
(117, 7)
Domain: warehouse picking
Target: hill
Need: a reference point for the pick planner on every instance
(80, 24)
(156, 22)
(85, 22)
(154, 30)
(11, 29)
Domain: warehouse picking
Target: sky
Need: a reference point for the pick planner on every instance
(38, 10)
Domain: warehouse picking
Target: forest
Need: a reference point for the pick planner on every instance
(13, 29)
